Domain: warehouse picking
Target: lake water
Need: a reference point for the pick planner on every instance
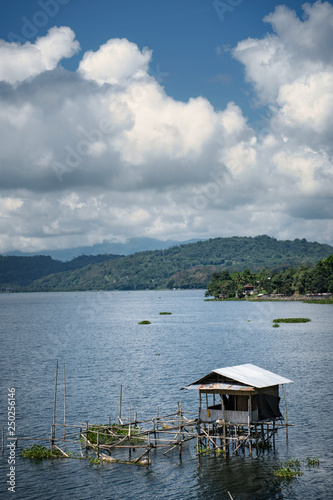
(97, 336)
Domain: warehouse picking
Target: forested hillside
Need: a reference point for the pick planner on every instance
(20, 272)
(185, 266)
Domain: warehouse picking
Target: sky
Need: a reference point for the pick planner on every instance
(169, 119)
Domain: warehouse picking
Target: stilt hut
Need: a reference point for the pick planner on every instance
(240, 395)
(238, 406)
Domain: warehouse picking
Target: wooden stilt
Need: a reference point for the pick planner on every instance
(285, 405)
(87, 427)
(120, 402)
(55, 395)
(52, 438)
(224, 428)
(64, 403)
(180, 433)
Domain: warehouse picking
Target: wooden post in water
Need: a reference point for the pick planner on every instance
(54, 409)
(149, 448)
(98, 443)
(55, 395)
(120, 401)
(85, 441)
(180, 433)
(52, 438)
(249, 424)
(224, 439)
(3, 440)
(129, 431)
(285, 405)
(262, 437)
(64, 403)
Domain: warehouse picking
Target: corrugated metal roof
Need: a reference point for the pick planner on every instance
(218, 385)
(252, 375)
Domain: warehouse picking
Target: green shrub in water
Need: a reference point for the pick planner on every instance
(39, 452)
(291, 320)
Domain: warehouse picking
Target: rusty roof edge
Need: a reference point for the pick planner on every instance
(220, 386)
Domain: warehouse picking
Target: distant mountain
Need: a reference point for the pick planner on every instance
(185, 266)
(131, 246)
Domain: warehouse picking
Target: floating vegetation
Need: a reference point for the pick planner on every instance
(312, 461)
(165, 313)
(157, 354)
(39, 452)
(110, 434)
(290, 470)
(202, 450)
(276, 325)
(94, 461)
(144, 322)
(291, 320)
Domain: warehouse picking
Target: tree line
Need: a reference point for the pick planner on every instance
(303, 280)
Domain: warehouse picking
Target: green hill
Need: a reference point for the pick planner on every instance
(18, 272)
(186, 266)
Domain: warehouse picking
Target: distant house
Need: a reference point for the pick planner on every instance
(248, 289)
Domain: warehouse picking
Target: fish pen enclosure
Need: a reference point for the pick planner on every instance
(129, 440)
(238, 405)
(238, 408)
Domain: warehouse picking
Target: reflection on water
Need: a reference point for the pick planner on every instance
(98, 337)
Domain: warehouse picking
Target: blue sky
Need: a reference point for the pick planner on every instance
(184, 37)
(218, 120)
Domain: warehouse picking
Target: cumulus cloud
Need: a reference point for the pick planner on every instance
(19, 62)
(295, 49)
(104, 152)
(115, 62)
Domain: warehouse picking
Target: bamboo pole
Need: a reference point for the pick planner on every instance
(129, 430)
(65, 454)
(55, 395)
(224, 429)
(180, 433)
(243, 442)
(120, 402)
(87, 427)
(3, 440)
(249, 423)
(285, 405)
(52, 438)
(64, 403)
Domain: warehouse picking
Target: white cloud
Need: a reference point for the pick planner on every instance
(19, 62)
(105, 153)
(297, 49)
(308, 102)
(115, 62)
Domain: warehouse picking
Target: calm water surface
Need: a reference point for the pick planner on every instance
(97, 336)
